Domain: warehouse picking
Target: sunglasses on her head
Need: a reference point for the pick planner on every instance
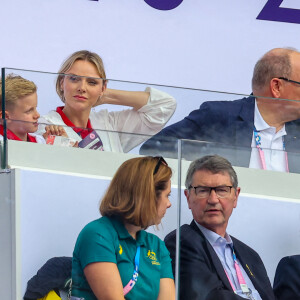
(159, 162)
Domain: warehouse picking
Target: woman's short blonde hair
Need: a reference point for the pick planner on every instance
(134, 191)
(85, 55)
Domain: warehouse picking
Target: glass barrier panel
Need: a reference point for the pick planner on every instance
(219, 119)
(155, 107)
(262, 210)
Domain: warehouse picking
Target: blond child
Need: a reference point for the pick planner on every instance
(21, 111)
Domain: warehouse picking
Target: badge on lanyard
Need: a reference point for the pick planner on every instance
(244, 287)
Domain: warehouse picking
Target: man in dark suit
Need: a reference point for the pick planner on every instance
(287, 278)
(214, 265)
(227, 127)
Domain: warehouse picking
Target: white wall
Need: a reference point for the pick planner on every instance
(208, 44)
(53, 212)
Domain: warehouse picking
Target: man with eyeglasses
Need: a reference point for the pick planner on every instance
(251, 132)
(213, 264)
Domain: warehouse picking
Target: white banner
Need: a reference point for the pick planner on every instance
(209, 44)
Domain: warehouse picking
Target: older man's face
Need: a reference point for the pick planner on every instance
(213, 211)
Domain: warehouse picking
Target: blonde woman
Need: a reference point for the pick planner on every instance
(82, 85)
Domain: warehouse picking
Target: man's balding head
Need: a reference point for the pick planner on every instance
(277, 62)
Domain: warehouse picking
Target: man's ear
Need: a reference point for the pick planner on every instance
(276, 87)
(237, 193)
(187, 195)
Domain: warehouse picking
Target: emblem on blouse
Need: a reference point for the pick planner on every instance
(152, 255)
(120, 249)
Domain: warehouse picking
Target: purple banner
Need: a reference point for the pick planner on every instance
(161, 4)
(273, 12)
(164, 4)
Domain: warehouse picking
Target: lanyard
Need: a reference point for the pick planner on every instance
(257, 138)
(135, 274)
(242, 282)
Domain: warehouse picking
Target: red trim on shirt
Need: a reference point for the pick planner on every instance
(11, 136)
(80, 131)
(31, 138)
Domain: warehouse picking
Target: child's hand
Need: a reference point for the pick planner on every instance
(54, 130)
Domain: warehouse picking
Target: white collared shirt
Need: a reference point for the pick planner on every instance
(271, 143)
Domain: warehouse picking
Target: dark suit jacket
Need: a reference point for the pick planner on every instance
(227, 126)
(202, 276)
(287, 278)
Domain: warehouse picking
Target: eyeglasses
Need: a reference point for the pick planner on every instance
(159, 162)
(204, 191)
(289, 80)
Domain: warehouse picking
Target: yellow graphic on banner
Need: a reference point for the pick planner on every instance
(152, 255)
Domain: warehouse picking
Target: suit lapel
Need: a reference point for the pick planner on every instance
(292, 139)
(214, 259)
